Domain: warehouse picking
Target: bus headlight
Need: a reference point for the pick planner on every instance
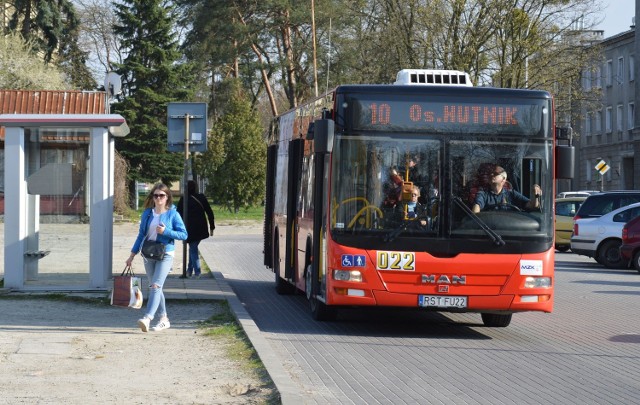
(347, 275)
(537, 282)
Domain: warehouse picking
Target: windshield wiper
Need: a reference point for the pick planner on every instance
(492, 234)
(394, 234)
(403, 226)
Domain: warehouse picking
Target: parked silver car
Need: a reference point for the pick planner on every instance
(601, 237)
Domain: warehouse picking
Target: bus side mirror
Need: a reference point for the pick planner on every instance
(565, 153)
(323, 131)
(564, 133)
(565, 161)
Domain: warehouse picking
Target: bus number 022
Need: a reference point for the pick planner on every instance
(396, 261)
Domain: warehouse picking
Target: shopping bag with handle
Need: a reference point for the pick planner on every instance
(126, 290)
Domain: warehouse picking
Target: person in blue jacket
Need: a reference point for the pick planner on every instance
(160, 222)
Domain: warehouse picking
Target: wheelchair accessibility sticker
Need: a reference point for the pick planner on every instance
(353, 261)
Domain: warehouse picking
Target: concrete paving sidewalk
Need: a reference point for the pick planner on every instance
(210, 286)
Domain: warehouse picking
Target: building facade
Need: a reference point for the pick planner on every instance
(607, 129)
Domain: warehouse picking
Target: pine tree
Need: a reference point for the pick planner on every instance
(44, 22)
(51, 28)
(235, 165)
(73, 62)
(152, 77)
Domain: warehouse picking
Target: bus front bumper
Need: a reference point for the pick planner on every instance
(532, 301)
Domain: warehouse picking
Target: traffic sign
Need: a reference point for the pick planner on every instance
(602, 167)
(178, 116)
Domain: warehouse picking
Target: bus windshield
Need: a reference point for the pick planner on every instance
(390, 186)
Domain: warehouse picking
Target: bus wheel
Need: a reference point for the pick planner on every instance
(319, 310)
(282, 286)
(496, 320)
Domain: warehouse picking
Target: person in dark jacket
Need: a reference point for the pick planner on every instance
(197, 208)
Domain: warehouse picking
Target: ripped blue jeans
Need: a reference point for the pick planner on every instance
(157, 272)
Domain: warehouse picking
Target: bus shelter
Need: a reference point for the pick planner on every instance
(58, 200)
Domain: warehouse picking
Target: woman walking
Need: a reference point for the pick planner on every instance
(160, 222)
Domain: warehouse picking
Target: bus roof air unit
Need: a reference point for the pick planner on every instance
(428, 77)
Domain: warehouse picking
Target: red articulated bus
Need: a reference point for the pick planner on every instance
(371, 189)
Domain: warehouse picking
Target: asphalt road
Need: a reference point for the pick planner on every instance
(586, 352)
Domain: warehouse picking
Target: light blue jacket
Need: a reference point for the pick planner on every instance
(174, 229)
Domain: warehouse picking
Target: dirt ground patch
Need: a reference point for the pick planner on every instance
(77, 352)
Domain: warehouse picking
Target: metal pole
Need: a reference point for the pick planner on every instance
(313, 35)
(185, 201)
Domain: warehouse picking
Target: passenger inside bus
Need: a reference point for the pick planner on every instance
(415, 209)
(495, 196)
(392, 188)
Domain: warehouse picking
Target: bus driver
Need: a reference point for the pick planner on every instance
(499, 197)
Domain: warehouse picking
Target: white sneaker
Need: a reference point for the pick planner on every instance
(143, 323)
(162, 324)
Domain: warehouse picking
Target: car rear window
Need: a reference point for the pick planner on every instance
(627, 215)
(600, 204)
(567, 208)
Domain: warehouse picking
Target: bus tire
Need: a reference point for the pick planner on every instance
(282, 286)
(496, 320)
(319, 310)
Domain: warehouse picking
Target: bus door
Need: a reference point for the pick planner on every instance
(296, 152)
(272, 158)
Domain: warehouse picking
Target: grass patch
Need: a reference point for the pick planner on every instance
(224, 328)
(249, 214)
(132, 215)
(224, 325)
(221, 213)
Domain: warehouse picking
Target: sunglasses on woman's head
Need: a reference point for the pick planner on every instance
(159, 195)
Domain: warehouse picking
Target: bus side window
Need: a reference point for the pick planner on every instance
(531, 174)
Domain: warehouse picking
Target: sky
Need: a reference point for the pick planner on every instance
(617, 16)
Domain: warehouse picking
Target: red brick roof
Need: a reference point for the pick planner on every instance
(51, 102)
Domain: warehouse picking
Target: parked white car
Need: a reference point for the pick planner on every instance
(601, 237)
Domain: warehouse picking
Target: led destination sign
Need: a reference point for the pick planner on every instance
(479, 117)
